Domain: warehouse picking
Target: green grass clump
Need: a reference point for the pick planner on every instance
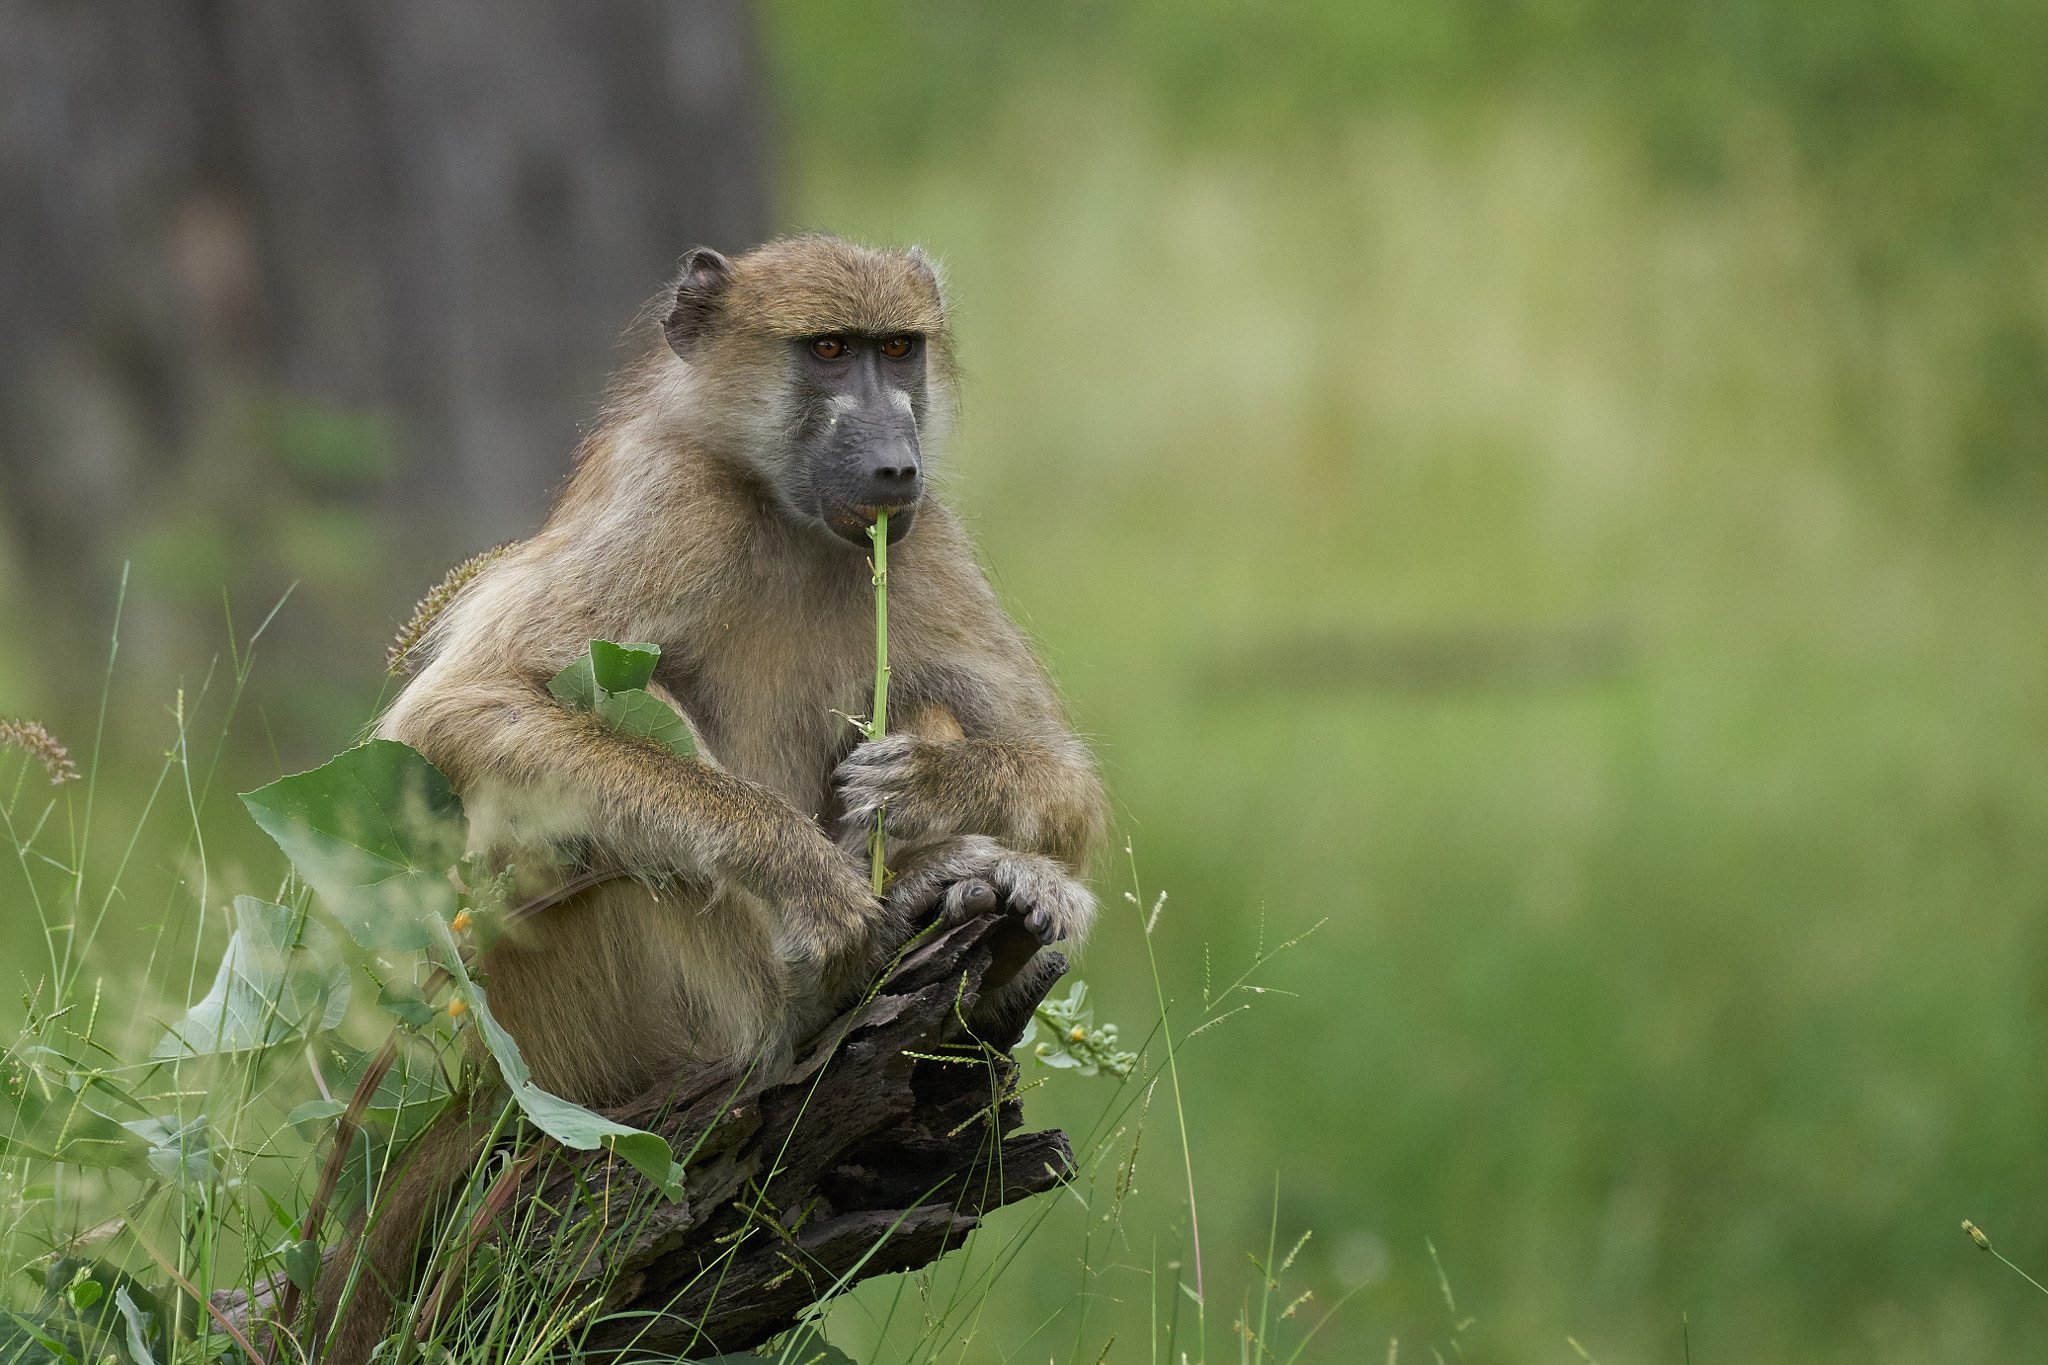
(164, 1167)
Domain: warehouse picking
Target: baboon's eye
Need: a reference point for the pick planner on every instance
(829, 348)
(897, 347)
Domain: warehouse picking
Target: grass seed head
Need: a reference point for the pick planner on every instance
(38, 743)
(398, 659)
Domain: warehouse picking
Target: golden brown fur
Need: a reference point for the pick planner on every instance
(748, 920)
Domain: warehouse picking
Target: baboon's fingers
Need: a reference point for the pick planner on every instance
(1053, 905)
(1041, 923)
(974, 875)
(968, 898)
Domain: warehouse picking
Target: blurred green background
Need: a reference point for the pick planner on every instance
(1556, 490)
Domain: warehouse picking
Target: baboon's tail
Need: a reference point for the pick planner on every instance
(388, 1250)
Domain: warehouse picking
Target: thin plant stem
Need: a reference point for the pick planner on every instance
(99, 734)
(2021, 1273)
(878, 715)
(193, 1293)
(1179, 1110)
(1977, 1235)
(1268, 1275)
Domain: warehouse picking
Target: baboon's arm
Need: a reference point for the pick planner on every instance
(533, 772)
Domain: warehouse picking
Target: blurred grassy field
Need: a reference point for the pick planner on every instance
(1566, 507)
(1558, 577)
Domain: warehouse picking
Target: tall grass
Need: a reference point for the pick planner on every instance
(155, 1182)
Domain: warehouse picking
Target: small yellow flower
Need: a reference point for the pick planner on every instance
(1079, 1035)
(457, 1008)
(462, 922)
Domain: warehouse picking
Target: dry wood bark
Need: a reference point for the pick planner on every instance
(867, 1157)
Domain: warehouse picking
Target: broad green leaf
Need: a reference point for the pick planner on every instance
(314, 1111)
(180, 1153)
(374, 831)
(102, 1084)
(563, 1120)
(806, 1345)
(412, 1090)
(612, 681)
(90, 1303)
(138, 1324)
(638, 712)
(404, 1000)
(622, 668)
(576, 684)
(302, 1264)
(57, 1349)
(278, 980)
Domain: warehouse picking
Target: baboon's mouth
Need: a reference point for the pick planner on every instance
(853, 523)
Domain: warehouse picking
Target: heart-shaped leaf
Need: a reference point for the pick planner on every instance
(576, 684)
(413, 1088)
(278, 980)
(313, 1112)
(374, 831)
(612, 681)
(302, 1264)
(404, 1000)
(622, 668)
(179, 1152)
(639, 712)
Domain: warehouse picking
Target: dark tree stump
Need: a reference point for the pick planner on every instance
(867, 1156)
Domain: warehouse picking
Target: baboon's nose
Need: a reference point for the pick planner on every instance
(892, 471)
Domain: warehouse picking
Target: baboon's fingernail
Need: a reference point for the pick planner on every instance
(979, 897)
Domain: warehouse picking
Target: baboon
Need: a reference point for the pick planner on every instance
(721, 509)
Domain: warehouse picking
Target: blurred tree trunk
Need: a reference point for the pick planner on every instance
(283, 280)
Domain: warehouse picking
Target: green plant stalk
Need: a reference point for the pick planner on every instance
(1179, 1110)
(878, 715)
(2021, 1273)
(1977, 1236)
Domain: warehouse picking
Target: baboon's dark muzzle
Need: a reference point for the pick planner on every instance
(872, 467)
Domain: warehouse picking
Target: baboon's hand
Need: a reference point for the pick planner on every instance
(822, 894)
(901, 776)
(973, 875)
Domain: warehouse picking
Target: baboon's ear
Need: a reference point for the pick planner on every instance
(927, 268)
(700, 294)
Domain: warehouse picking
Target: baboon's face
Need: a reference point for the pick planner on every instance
(826, 368)
(860, 399)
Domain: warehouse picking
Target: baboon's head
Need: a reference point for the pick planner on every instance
(823, 366)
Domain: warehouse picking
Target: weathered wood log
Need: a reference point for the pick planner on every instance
(877, 1151)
